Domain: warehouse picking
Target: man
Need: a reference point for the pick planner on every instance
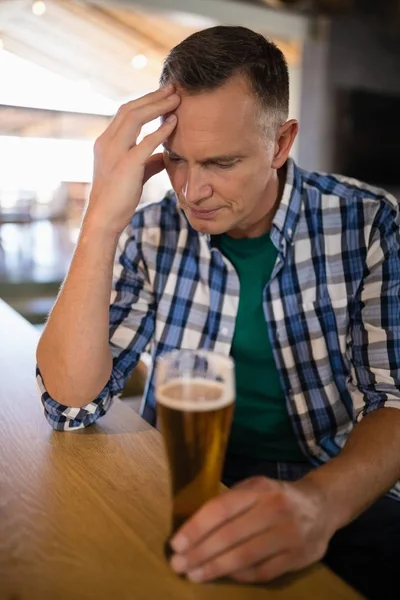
(295, 274)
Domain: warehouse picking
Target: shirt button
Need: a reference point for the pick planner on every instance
(290, 232)
(224, 331)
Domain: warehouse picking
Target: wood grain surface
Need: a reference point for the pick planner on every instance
(83, 515)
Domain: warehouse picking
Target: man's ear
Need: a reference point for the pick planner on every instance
(284, 142)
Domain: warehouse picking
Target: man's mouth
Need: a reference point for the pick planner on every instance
(203, 214)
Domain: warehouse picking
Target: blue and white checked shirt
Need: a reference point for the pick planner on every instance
(332, 305)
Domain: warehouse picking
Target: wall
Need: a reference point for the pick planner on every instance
(349, 54)
(295, 102)
(365, 56)
(314, 114)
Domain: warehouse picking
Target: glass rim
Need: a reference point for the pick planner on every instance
(168, 356)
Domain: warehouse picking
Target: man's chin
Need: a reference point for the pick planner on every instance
(208, 227)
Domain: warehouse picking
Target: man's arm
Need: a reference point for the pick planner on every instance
(367, 468)
(131, 326)
(74, 356)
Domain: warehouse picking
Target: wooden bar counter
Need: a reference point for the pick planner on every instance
(83, 515)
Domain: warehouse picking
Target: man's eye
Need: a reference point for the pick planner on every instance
(225, 165)
(174, 159)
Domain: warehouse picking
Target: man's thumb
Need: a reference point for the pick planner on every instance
(154, 164)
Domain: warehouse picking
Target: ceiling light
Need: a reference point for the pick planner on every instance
(38, 8)
(139, 61)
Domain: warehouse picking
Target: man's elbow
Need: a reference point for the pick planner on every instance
(73, 414)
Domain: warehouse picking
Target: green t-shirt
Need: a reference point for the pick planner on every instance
(261, 425)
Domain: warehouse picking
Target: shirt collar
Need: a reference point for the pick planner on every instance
(287, 215)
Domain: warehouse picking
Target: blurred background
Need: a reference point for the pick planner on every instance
(67, 65)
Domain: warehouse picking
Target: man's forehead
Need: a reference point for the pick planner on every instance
(228, 107)
(208, 138)
(200, 143)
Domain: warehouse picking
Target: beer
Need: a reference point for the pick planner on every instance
(195, 416)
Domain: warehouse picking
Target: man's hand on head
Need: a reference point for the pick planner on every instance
(122, 164)
(255, 532)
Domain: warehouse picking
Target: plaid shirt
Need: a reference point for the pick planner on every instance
(332, 305)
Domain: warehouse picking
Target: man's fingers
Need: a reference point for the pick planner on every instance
(211, 516)
(149, 144)
(240, 558)
(148, 98)
(116, 148)
(126, 135)
(159, 94)
(236, 538)
(265, 571)
(155, 164)
(149, 112)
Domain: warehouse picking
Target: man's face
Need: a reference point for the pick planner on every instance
(219, 160)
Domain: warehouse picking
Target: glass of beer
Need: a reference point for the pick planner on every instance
(195, 392)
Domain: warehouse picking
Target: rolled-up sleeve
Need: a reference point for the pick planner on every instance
(375, 326)
(63, 418)
(132, 316)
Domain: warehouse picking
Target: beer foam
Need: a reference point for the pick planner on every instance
(190, 395)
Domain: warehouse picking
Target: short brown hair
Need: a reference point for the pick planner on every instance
(207, 59)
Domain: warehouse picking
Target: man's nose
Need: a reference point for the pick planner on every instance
(195, 188)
